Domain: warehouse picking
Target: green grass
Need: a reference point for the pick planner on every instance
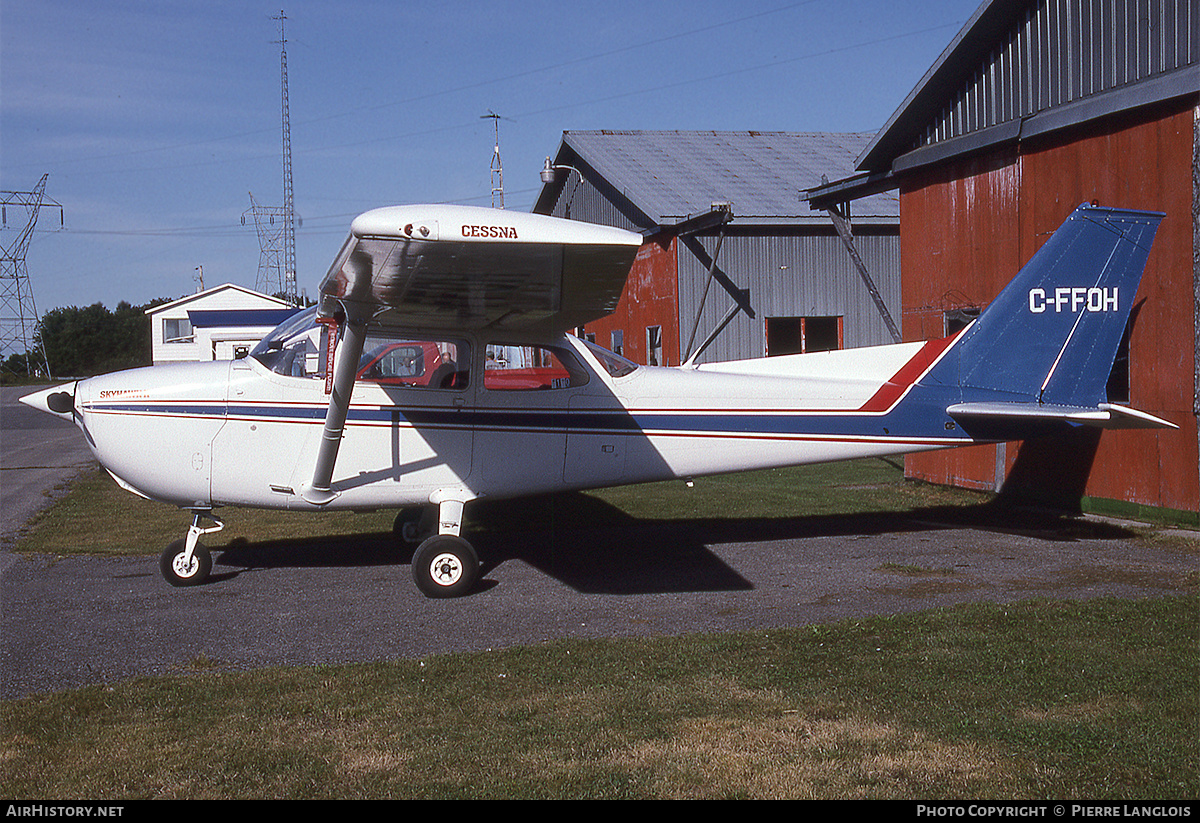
(1040, 699)
(134, 526)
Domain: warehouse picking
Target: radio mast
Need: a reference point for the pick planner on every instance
(289, 213)
(276, 225)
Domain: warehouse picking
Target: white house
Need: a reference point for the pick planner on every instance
(213, 324)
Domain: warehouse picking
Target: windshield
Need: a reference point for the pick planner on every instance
(614, 364)
(294, 347)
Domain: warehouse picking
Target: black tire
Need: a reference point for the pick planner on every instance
(445, 566)
(171, 564)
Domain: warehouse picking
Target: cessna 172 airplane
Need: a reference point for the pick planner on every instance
(438, 368)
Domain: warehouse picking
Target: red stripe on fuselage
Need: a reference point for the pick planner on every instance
(909, 373)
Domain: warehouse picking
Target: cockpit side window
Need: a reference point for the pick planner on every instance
(296, 349)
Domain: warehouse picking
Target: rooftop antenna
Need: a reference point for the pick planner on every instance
(18, 314)
(497, 168)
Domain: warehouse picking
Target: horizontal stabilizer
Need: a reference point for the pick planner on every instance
(1104, 415)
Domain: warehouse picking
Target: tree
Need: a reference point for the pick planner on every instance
(92, 340)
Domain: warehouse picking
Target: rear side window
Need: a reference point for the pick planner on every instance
(531, 368)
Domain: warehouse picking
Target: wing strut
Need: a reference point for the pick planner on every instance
(349, 352)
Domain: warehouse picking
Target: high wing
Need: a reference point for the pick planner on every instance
(439, 267)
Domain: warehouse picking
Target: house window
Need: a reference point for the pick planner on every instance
(618, 343)
(797, 335)
(654, 346)
(177, 330)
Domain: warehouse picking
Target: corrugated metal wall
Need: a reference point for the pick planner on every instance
(789, 275)
(969, 225)
(1066, 50)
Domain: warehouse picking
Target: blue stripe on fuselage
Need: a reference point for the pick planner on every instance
(906, 420)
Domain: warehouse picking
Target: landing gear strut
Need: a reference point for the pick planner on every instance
(445, 565)
(187, 562)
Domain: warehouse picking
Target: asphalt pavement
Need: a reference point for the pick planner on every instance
(38, 454)
(73, 621)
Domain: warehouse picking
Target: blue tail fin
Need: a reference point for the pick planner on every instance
(1044, 348)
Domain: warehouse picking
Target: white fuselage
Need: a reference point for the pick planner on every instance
(236, 433)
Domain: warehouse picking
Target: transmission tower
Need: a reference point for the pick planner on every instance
(289, 213)
(18, 314)
(497, 168)
(276, 225)
(270, 222)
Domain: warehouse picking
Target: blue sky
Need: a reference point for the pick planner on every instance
(156, 120)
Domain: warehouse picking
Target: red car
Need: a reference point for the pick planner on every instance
(412, 363)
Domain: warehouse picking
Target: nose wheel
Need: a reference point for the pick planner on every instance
(187, 561)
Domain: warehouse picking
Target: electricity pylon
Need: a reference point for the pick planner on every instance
(18, 313)
(270, 222)
(497, 167)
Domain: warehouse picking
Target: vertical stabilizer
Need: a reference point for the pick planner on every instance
(1052, 334)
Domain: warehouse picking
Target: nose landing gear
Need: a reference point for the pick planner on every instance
(188, 562)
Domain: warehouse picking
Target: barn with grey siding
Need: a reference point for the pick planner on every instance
(781, 262)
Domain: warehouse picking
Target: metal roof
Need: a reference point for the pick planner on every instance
(672, 176)
(1014, 62)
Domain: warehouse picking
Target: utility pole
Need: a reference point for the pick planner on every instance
(18, 314)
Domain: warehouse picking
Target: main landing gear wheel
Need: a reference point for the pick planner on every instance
(179, 569)
(445, 566)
